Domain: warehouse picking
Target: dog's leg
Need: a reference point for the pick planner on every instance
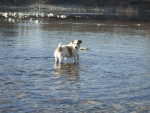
(77, 56)
(75, 59)
(56, 60)
(61, 60)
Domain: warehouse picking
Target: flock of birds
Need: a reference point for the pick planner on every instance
(16, 16)
(12, 17)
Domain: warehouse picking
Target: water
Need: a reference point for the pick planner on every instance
(112, 76)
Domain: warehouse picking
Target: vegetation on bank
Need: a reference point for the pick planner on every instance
(119, 4)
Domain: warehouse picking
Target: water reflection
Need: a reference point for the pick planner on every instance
(66, 69)
(94, 26)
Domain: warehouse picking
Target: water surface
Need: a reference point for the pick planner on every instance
(112, 76)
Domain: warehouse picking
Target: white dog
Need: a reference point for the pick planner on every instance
(67, 51)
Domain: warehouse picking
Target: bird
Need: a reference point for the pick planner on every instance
(37, 21)
(138, 24)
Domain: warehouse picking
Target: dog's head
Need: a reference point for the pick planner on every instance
(76, 44)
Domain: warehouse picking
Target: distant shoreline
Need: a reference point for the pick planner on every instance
(79, 8)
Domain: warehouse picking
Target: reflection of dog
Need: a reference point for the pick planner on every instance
(66, 69)
(67, 51)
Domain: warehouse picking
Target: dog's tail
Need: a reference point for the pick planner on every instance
(59, 45)
(59, 49)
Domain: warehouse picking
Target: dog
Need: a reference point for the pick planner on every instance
(67, 51)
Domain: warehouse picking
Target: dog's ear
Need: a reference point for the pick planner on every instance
(80, 41)
(72, 41)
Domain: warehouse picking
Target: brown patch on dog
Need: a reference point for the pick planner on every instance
(69, 50)
(59, 49)
(80, 41)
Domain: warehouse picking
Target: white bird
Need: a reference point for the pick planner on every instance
(26, 16)
(42, 15)
(13, 20)
(50, 15)
(63, 16)
(37, 15)
(37, 21)
(57, 16)
(138, 24)
(10, 14)
(9, 19)
(15, 14)
(6, 15)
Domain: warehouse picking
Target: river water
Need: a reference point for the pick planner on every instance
(112, 76)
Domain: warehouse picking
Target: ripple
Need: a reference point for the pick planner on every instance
(112, 76)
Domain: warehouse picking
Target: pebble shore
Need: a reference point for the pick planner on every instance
(62, 7)
(80, 8)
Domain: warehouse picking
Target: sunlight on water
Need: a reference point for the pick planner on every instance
(112, 76)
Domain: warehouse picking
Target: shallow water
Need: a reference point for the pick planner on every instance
(112, 76)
